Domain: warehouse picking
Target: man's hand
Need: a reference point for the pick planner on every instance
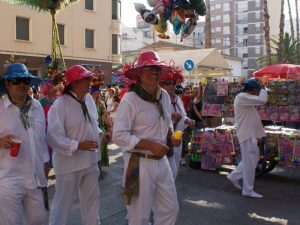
(158, 149)
(6, 141)
(175, 142)
(175, 117)
(88, 145)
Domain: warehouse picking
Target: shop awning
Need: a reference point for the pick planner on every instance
(208, 62)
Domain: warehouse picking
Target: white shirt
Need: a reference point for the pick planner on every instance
(179, 108)
(137, 119)
(28, 167)
(67, 126)
(247, 120)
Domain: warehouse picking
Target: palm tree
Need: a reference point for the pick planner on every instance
(291, 18)
(290, 52)
(281, 33)
(53, 7)
(207, 29)
(267, 32)
(297, 23)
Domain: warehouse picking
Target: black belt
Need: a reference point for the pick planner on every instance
(146, 156)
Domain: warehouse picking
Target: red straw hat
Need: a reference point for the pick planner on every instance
(147, 58)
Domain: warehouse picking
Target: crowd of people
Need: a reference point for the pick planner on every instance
(68, 127)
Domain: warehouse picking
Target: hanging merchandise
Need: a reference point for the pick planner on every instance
(182, 14)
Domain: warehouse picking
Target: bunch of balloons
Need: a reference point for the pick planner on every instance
(182, 14)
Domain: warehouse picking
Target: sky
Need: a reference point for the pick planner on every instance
(129, 13)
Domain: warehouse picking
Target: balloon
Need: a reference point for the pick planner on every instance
(203, 81)
(161, 28)
(188, 27)
(158, 6)
(146, 14)
(199, 6)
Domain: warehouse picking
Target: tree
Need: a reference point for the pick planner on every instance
(52, 7)
(291, 18)
(281, 33)
(267, 32)
(207, 29)
(297, 24)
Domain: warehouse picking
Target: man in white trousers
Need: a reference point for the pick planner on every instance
(141, 129)
(22, 121)
(248, 128)
(74, 135)
(178, 116)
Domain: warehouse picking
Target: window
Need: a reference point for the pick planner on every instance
(245, 55)
(257, 38)
(212, 18)
(257, 15)
(257, 3)
(245, 30)
(89, 38)
(226, 7)
(226, 18)
(226, 30)
(218, 6)
(89, 4)
(245, 42)
(218, 41)
(61, 33)
(115, 44)
(218, 17)
(116, 9)
(218, 29)
(257, 50)
(22, 28)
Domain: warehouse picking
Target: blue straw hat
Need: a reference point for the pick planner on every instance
(18, 70)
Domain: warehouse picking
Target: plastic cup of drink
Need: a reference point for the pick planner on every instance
(15, 147)
(177, 135)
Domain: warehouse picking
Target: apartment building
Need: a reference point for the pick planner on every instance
(237, 28)
(89, 31)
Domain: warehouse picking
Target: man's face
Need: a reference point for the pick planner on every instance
(150, 75)
(17, 87)
(168, 85)
(82, 85)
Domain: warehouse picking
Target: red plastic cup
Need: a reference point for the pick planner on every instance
(15, 147)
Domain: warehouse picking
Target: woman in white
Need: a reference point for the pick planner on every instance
(112, 105)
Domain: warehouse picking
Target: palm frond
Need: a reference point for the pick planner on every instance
(43, 5)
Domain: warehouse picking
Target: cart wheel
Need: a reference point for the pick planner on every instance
(260, 168)
(195, 165)
(270, 165)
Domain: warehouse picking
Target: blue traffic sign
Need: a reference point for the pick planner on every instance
(189, 65)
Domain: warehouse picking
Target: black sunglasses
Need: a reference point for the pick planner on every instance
(167, 83)
(152, 68)
(17, 81)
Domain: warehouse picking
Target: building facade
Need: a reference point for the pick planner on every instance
(237, 28)
(89, 31)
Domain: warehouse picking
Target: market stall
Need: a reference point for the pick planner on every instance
(211, 148)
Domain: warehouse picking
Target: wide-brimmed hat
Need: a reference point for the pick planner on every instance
(18, 70)
(147, 58)
(75, 73)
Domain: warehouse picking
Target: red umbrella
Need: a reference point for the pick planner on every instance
(279, 71)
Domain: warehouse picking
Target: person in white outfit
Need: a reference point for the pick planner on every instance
(74, 135)
(248, 128)
(178, 116)
(22, 120)
(142, 127)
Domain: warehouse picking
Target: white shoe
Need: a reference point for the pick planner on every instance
(235, 183)
(253, 195)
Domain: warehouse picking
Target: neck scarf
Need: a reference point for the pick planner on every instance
(83, 106)
(24, 109)
(146, 96)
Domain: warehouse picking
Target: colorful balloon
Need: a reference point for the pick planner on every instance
(199, 6)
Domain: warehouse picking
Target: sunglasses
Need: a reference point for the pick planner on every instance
(167, 83)
(18, 81)
(152, 68)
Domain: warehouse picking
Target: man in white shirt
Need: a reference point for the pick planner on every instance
(74, 135)
(21, 120)
(248, 128)
(141, 129)
(178, 116)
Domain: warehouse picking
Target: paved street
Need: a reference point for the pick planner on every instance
(207, 198)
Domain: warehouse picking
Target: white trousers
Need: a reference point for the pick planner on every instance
(175, 160)
(20, 206)
(157, 192)
(67, 186)
(246, 168)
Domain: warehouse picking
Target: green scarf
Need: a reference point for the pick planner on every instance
(24, 111)
(146, 96)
